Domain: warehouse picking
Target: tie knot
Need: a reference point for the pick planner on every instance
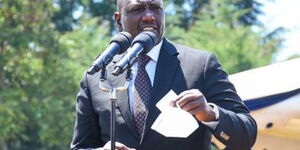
(143, 60)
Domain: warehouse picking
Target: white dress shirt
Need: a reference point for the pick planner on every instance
(150, 68)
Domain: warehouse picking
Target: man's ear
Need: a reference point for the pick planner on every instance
(117, 17)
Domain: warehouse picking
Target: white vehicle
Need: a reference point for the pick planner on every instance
(272, 94)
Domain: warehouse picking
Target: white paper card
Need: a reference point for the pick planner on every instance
(164, 103)
(173, 122)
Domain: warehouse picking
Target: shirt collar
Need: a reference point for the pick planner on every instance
(154, 52)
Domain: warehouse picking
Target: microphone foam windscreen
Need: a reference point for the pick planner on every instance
(147, 39)
(123, 39)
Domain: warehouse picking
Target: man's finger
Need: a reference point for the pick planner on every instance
(192, 105)
(190, 98)
(185, 97)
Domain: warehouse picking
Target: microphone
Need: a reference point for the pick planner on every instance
(117, 45)
(141, 44)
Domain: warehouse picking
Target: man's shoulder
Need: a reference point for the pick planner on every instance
(189, 52)
(188, 49)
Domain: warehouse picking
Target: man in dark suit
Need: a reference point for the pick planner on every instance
(197, 76)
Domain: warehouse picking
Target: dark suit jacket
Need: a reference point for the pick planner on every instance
(178, 68)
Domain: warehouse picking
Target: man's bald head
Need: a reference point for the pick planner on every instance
(136, 16)
(120, 4)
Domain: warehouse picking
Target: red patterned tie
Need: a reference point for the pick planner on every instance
(142, 94)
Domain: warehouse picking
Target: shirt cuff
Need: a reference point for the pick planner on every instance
(213, 124)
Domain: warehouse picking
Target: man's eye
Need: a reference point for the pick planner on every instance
(156, 8)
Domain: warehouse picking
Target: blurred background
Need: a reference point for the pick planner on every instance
(46, 45)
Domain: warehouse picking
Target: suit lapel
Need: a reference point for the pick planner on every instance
(122, 97)
(164, 75)
(165, 70)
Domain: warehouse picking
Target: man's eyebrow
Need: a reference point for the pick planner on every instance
(143, 3)
(134, 5)
(155, 4)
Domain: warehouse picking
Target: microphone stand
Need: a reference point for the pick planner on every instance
(113, 98)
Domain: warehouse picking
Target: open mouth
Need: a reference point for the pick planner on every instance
(148, 28)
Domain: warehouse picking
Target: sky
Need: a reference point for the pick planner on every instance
(284, 13)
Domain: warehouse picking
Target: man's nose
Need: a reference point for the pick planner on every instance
(148, 16)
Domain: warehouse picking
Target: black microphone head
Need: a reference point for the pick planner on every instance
(123, 39)
(147, 39)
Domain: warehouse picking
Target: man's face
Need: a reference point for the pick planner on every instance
(135, 16)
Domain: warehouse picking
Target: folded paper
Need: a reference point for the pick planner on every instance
(173, 121)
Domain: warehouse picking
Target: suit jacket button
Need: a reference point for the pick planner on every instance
(224, 136)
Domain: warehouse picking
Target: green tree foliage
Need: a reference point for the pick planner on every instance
(186, 11)
(36, 86)
(65, 16)
(218, 29)
(85, 42)
(40, 69)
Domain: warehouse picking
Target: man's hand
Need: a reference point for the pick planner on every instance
(194, 102)
(119, 146)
